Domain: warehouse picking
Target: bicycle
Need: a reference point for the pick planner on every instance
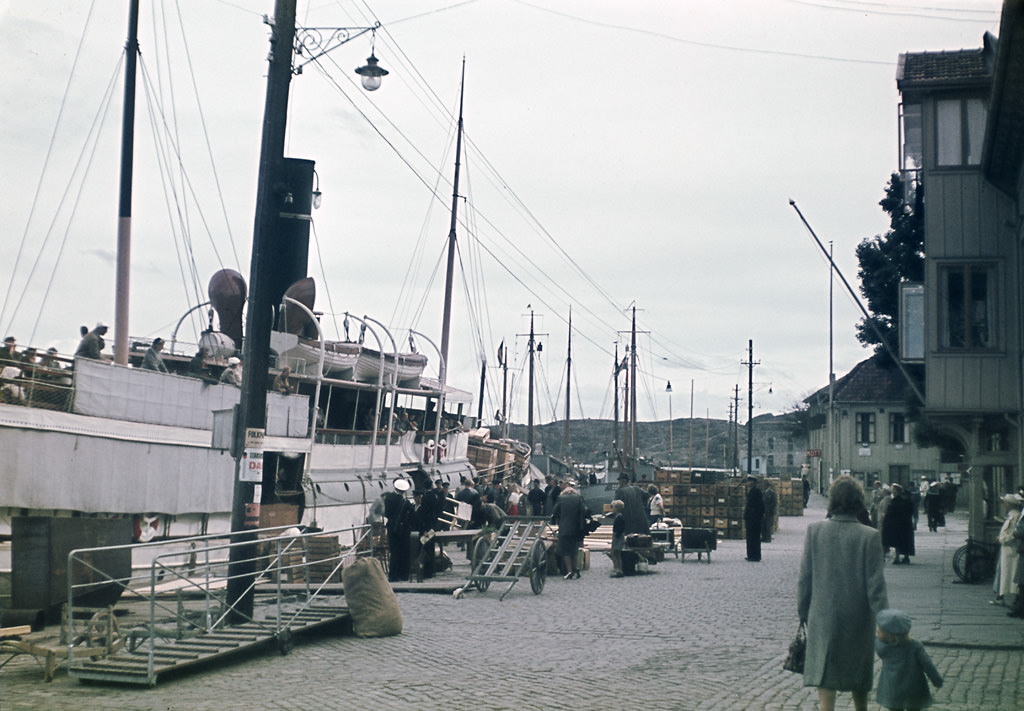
(975, 561)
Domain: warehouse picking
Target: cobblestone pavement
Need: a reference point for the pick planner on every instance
(688, 636)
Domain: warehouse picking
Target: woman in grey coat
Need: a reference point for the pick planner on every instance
(841, 589)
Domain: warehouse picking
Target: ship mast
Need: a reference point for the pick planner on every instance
(446, 323)
(568, 382)
(124, 213)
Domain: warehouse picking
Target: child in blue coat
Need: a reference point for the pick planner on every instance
(906, 666)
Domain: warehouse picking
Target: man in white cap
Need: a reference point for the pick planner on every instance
(92, 343)
(400, 514)
(232, 375)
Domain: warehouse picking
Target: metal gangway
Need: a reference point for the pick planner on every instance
(516, 549)
(175, 610)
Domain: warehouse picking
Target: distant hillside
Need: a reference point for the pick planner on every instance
(591, 440)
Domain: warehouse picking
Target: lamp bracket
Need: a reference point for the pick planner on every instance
(315, 42)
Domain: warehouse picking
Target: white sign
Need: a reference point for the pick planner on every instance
(254, 438)
(252, 466)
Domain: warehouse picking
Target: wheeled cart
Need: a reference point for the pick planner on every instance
(515, 550)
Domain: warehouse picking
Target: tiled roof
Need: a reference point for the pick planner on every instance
(965, 66)
(868, 381)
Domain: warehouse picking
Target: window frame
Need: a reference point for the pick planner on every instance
(965, 337)
(898, 419)
(966, 142)
(858, 428)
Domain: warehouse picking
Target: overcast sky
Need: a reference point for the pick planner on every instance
(619, 154)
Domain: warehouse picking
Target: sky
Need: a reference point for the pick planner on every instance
(618, 156)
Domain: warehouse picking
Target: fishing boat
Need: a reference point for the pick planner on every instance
(103, 452)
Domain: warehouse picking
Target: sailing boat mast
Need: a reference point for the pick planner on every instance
(124, 213)
(632, 394)
(446, 323)
(568, 381)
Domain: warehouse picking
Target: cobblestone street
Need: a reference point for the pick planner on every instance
(688, 636)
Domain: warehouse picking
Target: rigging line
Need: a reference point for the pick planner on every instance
(323, 274)
(331, 79)
(707, 45)
(163, 164)
(97, 121)
(868, 7)
(187, 185)
(539, 227)
(46, 163)
(209, 146)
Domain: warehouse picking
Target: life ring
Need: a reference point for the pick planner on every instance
(442, 450)
(145, 527)
(428, 451)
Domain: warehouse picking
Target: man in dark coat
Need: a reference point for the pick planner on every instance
(536, 498)
(753, 515)
(634, 509)
(898, 526)
(570, 515)
(400, 515)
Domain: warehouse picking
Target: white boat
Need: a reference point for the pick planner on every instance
(155, 452)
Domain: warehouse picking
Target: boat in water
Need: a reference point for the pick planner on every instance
(142, 454)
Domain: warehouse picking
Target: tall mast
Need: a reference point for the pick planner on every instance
(529, 416)
(446, 323)
(568, 381)
(124, 213)
(632, 393)
(615, 408)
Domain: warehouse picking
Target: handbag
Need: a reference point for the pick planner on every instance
(797, 651)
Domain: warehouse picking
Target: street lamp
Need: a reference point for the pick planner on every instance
(371, 73)
(668, 389)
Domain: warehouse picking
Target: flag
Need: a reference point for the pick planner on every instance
(501, 357)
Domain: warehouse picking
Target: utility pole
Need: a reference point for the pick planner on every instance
(736, 428)
(750, 363)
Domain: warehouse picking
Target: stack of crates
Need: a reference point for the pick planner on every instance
(791, 497)
(698, 504)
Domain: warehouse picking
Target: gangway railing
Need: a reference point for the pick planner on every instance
(179, 596)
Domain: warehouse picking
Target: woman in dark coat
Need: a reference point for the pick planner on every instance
(898, 526)
(841, 589)
(570, 515)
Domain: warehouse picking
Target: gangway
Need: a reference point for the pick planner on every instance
(516, 549)
(177, 611)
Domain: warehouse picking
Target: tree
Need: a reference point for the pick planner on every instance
(890, 259)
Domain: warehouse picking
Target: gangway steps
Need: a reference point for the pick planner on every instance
(132, 666)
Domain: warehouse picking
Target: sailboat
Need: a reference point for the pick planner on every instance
(123, 453)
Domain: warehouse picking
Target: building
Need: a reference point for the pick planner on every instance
(872, 431)
(962, 138)
(779, 446)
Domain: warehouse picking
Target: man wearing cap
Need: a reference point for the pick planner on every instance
(152, 359)
(400, 516)
(536, 498)
(92, 343)
(232, 375)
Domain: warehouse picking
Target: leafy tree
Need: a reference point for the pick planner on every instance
(887, 260)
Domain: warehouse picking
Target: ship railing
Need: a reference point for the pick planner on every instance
(182, 591)
(36, 386)
(353, 437)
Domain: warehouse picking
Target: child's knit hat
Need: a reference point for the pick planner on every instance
(894, 621)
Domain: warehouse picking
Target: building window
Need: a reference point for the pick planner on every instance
(771, 443)
(789, 460)
(900, 474)
(960, 131)
(911, 145)
(897, 428)
(968, 306)
(865, 427)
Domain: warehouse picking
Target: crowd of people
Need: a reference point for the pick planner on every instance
(895, 511)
